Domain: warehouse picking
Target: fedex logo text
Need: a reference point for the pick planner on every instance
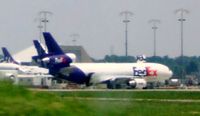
(146, 71)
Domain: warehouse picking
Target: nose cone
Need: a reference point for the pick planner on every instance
(170, 73)
(167, 73)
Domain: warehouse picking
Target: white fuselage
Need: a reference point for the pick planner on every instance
(111, 71)
(8, 70)
(11, 69)
(34, 69)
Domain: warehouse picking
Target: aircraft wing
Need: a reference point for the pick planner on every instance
(113, 80)
(99, 78)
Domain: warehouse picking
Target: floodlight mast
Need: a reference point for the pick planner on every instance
(44, 19)
(126, 21)
(74, 37)
(154, 27)
(182, 11)
(39, 19)
(40, 28)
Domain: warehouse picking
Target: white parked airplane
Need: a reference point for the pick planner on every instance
(8, 70)
(9, 64)
(135, 74)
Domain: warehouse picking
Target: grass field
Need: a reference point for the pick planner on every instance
(16, 100)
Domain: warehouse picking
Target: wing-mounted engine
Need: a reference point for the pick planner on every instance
(124, 83)
(138, 83)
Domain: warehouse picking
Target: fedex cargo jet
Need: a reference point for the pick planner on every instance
(135, 75)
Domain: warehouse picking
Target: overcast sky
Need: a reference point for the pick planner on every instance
(100, 27)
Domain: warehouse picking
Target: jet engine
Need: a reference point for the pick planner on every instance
(127, 83)
(138, 83)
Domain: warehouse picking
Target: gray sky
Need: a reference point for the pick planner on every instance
(99, 25)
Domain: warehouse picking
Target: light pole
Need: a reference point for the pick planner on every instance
(181, 11)
(154, 27)
(111, 50)
(44, 19)
(181, 19)
(126, 21)
(39, 27)
(39, 19)
(74, 37)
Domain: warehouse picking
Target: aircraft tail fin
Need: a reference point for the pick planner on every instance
(7, 56)
(57, 58)
(52, 45)
(41, 53)
(39, 48)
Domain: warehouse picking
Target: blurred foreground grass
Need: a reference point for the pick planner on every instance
(16, 100)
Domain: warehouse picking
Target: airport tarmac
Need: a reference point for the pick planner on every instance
(124, 99)
(66, 90)
(133, 99)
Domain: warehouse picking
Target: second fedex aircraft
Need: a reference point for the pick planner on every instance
(135, 74)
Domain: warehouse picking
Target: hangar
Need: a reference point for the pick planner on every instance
(25, 55)
(79, 51)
